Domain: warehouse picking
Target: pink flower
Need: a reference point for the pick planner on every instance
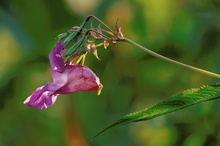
(66, 79)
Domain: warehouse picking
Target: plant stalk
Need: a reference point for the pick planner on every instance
(168, 59)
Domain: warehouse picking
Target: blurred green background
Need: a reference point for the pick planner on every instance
(184, 30)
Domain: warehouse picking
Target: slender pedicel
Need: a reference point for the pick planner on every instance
(101, 22)
(168, 59)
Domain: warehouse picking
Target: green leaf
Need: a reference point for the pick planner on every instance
(174, 103)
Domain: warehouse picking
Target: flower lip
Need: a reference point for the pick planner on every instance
(66, 79)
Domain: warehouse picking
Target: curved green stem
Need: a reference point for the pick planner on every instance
(100, 22)
(168, 59)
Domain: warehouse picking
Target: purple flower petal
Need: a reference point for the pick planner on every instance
(55, 57)
(77, 78)
(66, 79)
(42, 98)
(73, 79)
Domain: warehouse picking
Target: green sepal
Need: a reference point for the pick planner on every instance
(74, 34)
(61, 36)
(72, 49)
(83, 49)
(70, 37)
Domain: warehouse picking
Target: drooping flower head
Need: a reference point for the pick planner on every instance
(67, 78)
(70, 75)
